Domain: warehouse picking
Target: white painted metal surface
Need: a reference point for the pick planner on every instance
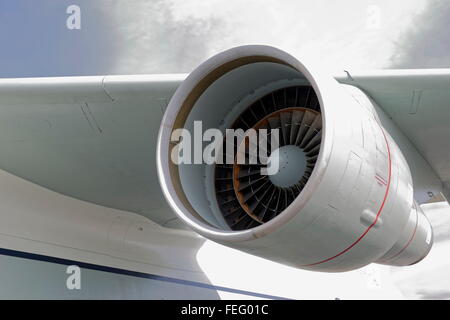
(94, 138)
(358, 199)
(417, 102)
(37, 220)
(91, 138)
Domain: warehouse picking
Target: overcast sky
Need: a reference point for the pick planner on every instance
(174, 36)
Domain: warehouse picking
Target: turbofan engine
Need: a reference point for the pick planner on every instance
(341, 196)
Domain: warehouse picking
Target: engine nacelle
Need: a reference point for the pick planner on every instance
(342, 196)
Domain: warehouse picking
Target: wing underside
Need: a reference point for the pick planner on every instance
(92, 138)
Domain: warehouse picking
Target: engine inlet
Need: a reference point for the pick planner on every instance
(247, 197)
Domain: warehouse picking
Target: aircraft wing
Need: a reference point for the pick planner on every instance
(94, 138)
(91, 138)
(418, 101)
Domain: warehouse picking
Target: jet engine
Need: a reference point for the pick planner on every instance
(342, 194)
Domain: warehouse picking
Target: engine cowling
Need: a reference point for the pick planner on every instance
(342, 196)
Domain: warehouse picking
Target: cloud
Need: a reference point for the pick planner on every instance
(426, 44)
(176, 35)
(116, 37)
(151, 39)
